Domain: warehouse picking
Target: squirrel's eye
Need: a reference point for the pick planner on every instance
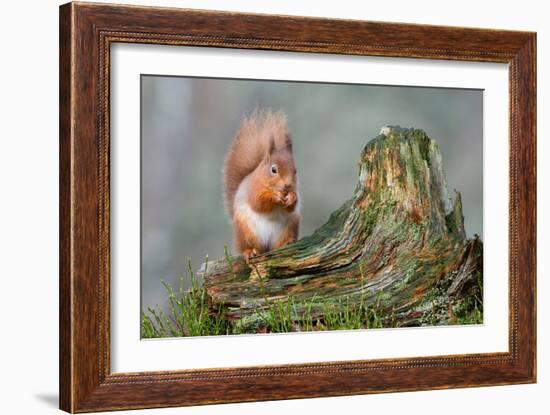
(273, 169)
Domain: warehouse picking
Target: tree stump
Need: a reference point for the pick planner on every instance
(399, 243)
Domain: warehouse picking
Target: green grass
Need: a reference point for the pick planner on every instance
(316, 315)
(284, 316)
(189, 313)
(470, 310)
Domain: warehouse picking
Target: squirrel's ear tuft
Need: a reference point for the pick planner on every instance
(271, 145)
(288, 142)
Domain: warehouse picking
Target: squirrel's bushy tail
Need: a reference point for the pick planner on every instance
(250, 145)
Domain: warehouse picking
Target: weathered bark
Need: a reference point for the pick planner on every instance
(398, 242)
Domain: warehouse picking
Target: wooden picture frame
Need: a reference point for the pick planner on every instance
(86, 33)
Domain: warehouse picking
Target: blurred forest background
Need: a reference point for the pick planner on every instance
(188, 124)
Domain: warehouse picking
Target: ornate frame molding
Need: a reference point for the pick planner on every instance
(86, 33)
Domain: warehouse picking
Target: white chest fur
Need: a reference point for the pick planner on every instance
(267, 227)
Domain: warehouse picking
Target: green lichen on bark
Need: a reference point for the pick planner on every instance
(399, 243)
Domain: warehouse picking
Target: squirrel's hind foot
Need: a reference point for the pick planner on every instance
(250, 253)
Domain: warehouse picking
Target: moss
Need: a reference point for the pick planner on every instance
(468, 311)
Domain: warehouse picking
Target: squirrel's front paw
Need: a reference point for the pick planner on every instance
(290, 200)
(249, 253)
(279, 198)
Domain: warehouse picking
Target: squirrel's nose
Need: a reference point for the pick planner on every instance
(287, 187)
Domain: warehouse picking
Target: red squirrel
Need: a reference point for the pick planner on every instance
(261, 185)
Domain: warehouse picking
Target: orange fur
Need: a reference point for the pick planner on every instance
(261, 145)
(249, 147)
(290, 233)
(245, 239)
